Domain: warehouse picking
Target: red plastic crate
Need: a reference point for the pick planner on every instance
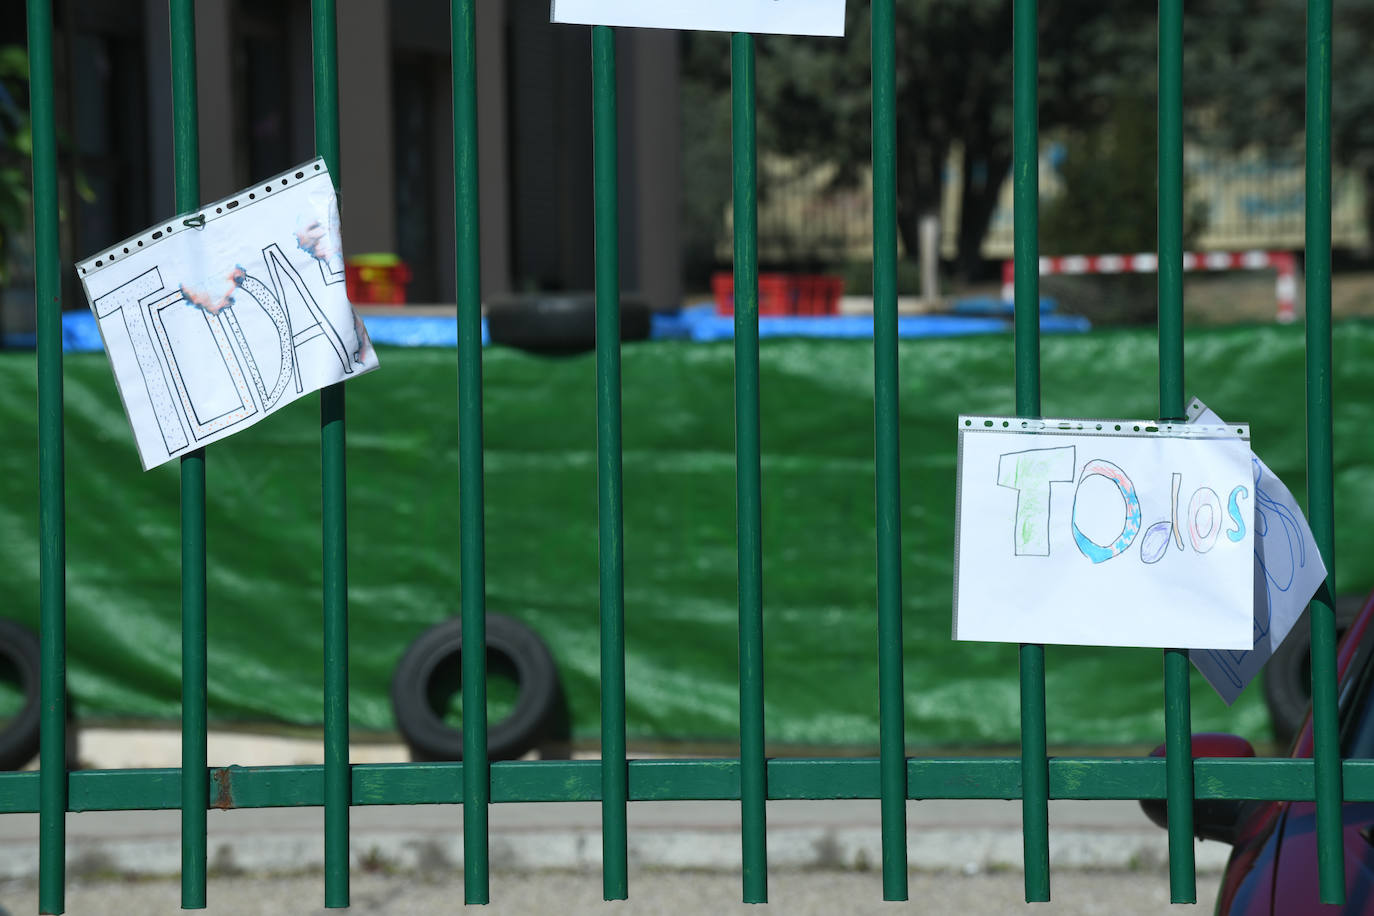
(783, 294)
(377, 285)
(818, 294)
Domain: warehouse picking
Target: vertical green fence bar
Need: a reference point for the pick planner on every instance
(615, 776)
(887, 454)
(1326, 753)
(1177, 711)
(52, 513)
(472, 559)
(334, 505)
(1035, 773)
(748, 474)
(195, 785)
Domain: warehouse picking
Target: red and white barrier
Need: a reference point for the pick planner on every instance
(1283, 262)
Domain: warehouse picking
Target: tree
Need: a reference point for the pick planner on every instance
(1107, 205)
(954, 80)
(1110, 187)
(1248, 72)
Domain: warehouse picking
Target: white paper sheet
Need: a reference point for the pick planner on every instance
(1288, 572)
(786, 17)
(212, 326)
(1102, 532)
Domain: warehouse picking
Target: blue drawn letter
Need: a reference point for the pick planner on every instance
(1237, 534)
(1101, 553)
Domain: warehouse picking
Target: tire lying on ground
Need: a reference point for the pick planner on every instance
(559, 323)
(1288, 673)
(19, 654)
(432, 663)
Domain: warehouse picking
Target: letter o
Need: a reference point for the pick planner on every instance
(1204, 498)
(1101, 553)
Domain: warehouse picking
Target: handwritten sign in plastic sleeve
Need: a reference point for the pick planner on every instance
(785, 17)
(1104, 532)
(1288, 572)
(216, 319)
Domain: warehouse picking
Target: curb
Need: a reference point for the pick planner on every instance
(970, 851)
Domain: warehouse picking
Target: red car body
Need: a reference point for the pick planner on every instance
(1272, 870)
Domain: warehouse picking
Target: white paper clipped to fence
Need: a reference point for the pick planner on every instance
(1104, 532)
(215, 319)
(783, 17)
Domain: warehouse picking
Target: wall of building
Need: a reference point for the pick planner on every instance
(255, 93)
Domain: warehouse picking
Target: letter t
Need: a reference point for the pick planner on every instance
(1030, 475)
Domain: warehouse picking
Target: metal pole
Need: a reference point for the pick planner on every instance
(1326, 751)
(1177, 703)
(615, 778)
(1035, 774)
(887, 454)
(334, 506)
(52, 547)
(472, 549)
(195, 785)
(748, 475)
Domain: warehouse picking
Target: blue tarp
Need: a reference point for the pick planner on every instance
(702, 324)
(429, 331)
(696, 322)
(80, 334)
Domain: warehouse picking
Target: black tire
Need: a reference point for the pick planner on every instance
(436, 654)
(1288, 673)
(560, 323)
(19, 737)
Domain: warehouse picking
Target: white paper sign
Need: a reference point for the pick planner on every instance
(1104, 532)
(785, 17)
(212, 325)
(1288, 572)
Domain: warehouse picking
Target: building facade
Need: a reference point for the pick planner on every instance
(256, 119)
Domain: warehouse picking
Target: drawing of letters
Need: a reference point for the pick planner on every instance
(215, 393)
(304, 326)
(261, 296)
(1280, 563)
(127, 302)
(1030, 475)
(209, 330)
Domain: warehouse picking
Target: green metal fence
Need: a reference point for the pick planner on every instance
(752, 777)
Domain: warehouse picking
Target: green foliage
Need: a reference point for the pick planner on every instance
(1244, 85)
(1110, 194)
(1248, 73)
(1248, 63)
(705, 153)
(16, 148)
(1109, 205)
(954, 63)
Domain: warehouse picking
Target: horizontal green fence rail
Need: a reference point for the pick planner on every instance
(752, 778)
(790, 779)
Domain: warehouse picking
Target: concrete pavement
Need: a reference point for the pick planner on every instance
(963, 836)
(824, 857)
(819, 893)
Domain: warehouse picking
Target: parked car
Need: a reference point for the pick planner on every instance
(1272, 870)
(1288, 675)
